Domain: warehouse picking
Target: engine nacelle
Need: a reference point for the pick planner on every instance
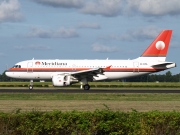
(61, 80)
(99, 77)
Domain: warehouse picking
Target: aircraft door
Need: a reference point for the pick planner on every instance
(30, 67)
(74, 67)
(135, 67)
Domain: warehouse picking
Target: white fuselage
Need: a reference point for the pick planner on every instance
(118, 69)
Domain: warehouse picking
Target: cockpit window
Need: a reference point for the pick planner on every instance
(17, 66)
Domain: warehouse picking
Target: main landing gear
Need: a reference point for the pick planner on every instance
(31, 85)
(86, 86)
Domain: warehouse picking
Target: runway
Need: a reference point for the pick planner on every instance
(89, 91)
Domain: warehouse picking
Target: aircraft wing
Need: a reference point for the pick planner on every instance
(89, 74)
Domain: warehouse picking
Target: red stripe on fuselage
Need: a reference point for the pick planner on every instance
(81, 69)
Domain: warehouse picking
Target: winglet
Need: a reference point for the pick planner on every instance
(159, 47)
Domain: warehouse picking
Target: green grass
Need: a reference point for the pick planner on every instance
(99, 84)
(90, 101)
(93, 96)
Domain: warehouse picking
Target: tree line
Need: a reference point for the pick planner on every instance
(167, 77)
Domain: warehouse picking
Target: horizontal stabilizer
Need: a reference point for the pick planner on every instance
(165, 64)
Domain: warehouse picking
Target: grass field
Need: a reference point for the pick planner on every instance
(88, 102)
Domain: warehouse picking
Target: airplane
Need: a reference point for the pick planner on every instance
(67, 72)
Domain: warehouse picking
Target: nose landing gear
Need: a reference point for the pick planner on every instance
(31, 85)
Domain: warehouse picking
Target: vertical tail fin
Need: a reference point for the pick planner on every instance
(159, 47)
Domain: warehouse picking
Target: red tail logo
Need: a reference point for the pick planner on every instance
(159, 47)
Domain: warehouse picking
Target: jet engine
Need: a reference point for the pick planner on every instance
(61, 80)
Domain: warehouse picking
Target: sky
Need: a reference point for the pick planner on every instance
(85, 29)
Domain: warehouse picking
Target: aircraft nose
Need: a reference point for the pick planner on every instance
(9, 74)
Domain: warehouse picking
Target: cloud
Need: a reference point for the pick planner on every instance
(107, 8)
(140, 34)
(32, 47)
(59, 33)
(154, 7)
(111, 8)
(93, 7)
(62, 3)
(89, 25)
(10, 11)
(96, 47)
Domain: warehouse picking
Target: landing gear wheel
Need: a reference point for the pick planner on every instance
(86, 87)
(30, 87)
